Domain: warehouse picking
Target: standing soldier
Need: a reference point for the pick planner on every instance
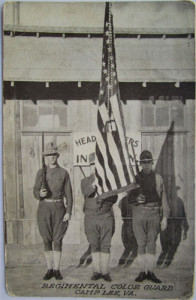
(52, 216)
(99, 225)
(146, 216)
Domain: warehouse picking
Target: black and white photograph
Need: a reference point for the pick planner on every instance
(99, 149)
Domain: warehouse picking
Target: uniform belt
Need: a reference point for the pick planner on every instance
(53, 200)
(151, 207)
(100, 211)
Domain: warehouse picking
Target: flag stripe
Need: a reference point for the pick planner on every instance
(117, 158)
(100, 183)
(107, 160)
(108, 155)
(116, 147)
(111, 160)
(102, 168)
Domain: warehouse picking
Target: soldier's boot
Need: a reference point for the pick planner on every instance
(105, 258)
(57, 275)
(57, 260)
(48, 275)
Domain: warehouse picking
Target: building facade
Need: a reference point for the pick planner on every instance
(51, 72)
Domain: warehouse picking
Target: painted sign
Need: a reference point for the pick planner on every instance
(134, 142)
(84, 145)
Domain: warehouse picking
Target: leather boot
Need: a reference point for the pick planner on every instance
(48, 275)
(141, 277)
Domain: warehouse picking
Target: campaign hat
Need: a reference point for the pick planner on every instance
(146, 156)
(51, 149)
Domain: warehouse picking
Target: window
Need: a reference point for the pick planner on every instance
(162, 113)
(45, 115)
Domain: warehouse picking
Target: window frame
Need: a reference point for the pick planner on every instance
(146, 128)
(37, 106)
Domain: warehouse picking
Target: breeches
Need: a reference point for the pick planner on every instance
(50, 223)
(146, 226)
(99, 230)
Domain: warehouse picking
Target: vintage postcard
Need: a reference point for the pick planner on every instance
(98, 149)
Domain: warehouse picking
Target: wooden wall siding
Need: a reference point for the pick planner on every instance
(79, 59)
(132, 115)
(156, 17)
(9, 160)
(27, 233)
(190, 161)
(9, 232)
(31, 163)
(20, 198)
(82, 117)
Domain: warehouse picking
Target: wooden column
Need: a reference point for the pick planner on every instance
(19, 175)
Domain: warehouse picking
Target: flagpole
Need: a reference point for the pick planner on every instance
(114, 172)
(120, 104)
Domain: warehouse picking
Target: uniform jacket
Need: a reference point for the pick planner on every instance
(89, 193)
(59, 184)
(162, 195)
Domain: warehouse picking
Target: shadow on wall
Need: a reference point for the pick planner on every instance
(128, 239)
(172, 236)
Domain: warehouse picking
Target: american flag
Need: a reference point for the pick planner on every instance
(113, 169)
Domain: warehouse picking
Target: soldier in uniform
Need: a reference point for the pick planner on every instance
(146, 216)
(52, 215)
(99, 225)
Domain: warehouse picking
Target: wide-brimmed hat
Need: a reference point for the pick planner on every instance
(51, 149)
(146, 156)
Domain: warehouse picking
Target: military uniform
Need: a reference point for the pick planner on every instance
(51, 210)
(99, 223)
(147, 217)
(52, 215)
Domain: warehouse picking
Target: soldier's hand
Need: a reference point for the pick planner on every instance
(43, 193)
(100, 202)
(66, 218)
(122, 195)
(141, 198)
(164, 223)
